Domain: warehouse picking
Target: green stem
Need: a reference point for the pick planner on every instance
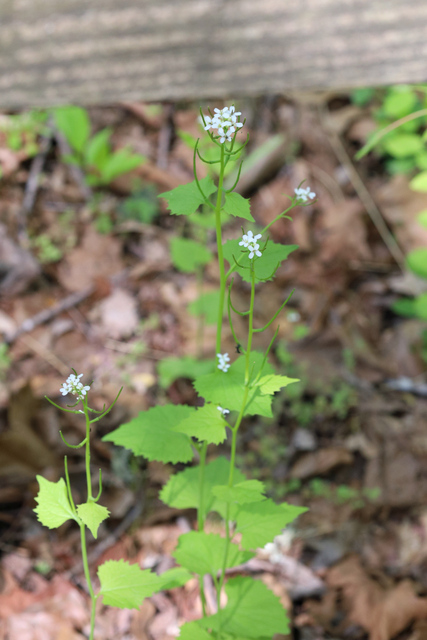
(220, 254)
(87, 452)
(251, 324)
(234, 437)
(93, 597)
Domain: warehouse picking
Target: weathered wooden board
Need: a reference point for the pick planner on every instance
(104, 51)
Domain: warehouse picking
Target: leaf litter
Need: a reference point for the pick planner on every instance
(345, 279)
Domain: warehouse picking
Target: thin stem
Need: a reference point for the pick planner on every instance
(201, 318)
(67, 482)
(220, 254)
(276, 314)
(87, 452)
(251, 324)
(201, 513)
(234, 430)
(93, 597)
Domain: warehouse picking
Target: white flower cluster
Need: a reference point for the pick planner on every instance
(223, 360)
(223, 411)
(250, 242)
(225, 122)
(74, 386)
(304, 194)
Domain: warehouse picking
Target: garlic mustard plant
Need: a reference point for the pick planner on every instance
(122, 584)
(245, 384)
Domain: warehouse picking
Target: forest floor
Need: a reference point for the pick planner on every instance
(350, 443)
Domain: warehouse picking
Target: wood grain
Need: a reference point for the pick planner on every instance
(105, 51)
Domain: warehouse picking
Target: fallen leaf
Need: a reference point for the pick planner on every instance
(320, 462)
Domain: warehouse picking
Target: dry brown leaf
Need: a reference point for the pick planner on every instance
(382, 612)
(97, 256)
(320, 462)
(119, 316)
(22, 451)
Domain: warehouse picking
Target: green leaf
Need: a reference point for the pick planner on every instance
(150, 434)
(227, 389)
(74, 123)
(92, 514)
(400, 101)
(193, 631)
(421, 160)
(421, 306)
(172, 578)
(171, 369)
(186, 199)
(238, 206)
(120, 162)
(405, 307)
(417, 261)
(271, 383)
(188, 254)
(419, 182)
(402, 145)
(207, 306)
(252, 611)
(182, 490)
(202, 553)
(125, 585)
(259, 523)
(422, 218)
(53, 505)
(241, 493)
(98, 149)
(205, 424)
(265, 266)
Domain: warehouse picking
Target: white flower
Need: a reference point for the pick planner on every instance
(74, 386)
(225, 121)
(304, 194)
(223, 359)
(223, 411)
(248, 238)
(254, 250)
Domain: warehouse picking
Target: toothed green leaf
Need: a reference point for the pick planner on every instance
(261, 522)
(205, 424)
(182, 490)
(151, 434)
(186, 199)
(265, 266)
(53, 505)
(176, 577)
(241, 493)
(125, 585)
(202, 553)
(227, 389)
(272, 383)
(252, 611)
(92, 515)
(193, 631)
(172, 368)
(238, 206)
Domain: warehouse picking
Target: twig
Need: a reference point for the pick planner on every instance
(407, 385)
(165, 138)
(31, 188)
(363, 193)
(46, 354)
(48, 314)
